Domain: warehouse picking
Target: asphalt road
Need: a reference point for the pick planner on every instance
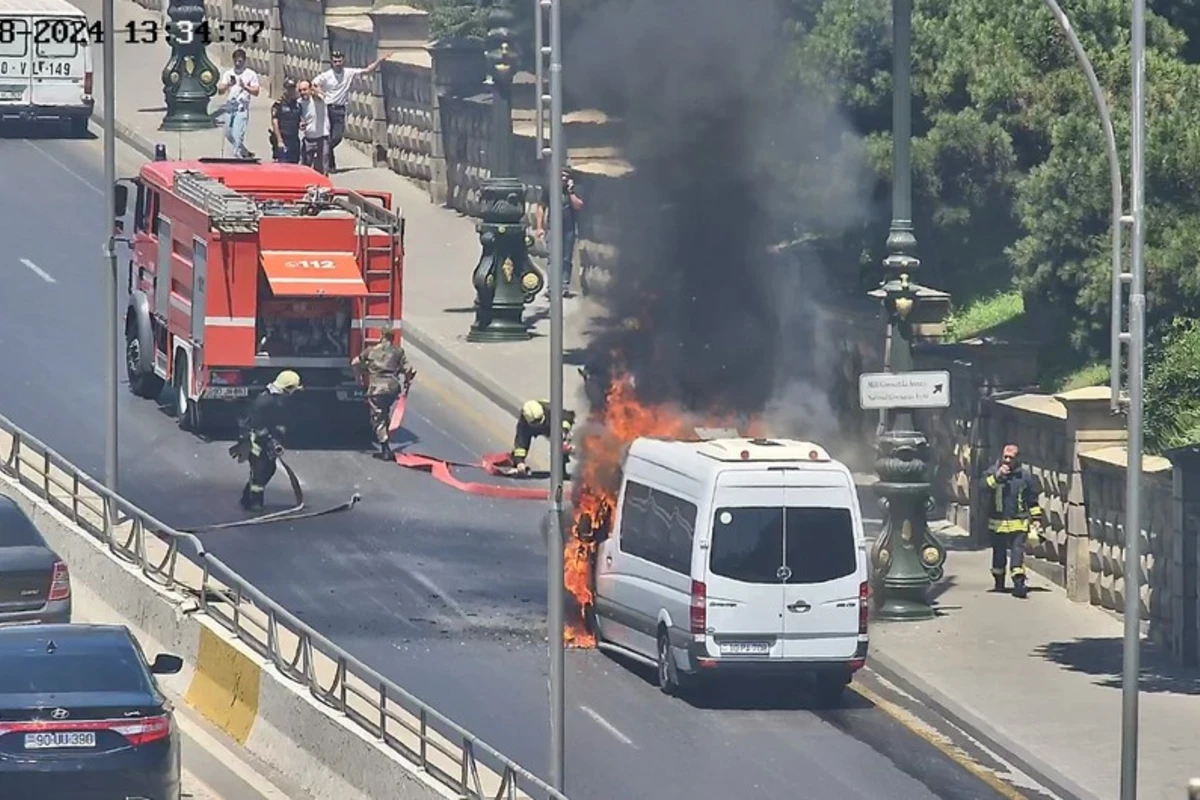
(443, 592)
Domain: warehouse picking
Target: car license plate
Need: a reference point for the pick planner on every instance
(745, 648)
(19, 623)
(226, 392)
(51, 741)
(351, 394)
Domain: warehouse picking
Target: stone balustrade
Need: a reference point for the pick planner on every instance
(1073, 445)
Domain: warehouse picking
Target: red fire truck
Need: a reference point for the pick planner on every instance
(240, 269)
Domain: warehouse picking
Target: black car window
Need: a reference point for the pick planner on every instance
(747, 544)
(58, 673)
(820, 544)
(16, 530)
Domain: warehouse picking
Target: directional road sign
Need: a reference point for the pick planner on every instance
(904, 389)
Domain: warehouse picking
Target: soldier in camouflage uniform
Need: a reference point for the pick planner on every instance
(388, 374)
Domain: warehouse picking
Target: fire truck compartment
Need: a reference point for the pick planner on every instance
(300, 273)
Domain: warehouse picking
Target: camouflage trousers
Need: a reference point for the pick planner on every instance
(380, 406)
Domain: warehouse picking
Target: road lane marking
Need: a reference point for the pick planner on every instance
(940, 742)
(66, 169)
(608, 726)
(36, 270)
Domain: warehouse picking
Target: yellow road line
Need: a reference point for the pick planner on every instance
(943, 745)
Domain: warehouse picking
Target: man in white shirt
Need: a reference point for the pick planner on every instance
(314, 128)
(239, 85)
(335, 84)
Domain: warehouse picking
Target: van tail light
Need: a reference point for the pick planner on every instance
(87, 83)
(137, 732)
(698, 615)
(60, 582)
(864, 608)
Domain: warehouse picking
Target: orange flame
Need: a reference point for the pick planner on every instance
(602, 452)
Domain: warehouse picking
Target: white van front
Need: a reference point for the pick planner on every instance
(45, 63)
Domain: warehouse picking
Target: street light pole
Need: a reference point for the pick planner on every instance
(1133, 472)
(554, 542)
(907, 558)
(1118, 202)
(111, 351)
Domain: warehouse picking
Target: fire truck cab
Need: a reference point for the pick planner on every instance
(239, 269)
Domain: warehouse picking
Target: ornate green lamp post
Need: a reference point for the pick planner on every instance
(189, 79)
(505, 279)
(907, 558)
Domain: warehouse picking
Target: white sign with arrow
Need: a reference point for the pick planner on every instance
(904, 390)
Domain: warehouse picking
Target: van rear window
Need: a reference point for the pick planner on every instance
(755, 544)
(14, 46)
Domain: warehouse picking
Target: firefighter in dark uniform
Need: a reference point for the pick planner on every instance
(285, 124)
(262, 429)
(533, 422)
(388, 373)
(1013, 517)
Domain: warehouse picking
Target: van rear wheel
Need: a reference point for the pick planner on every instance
(831, 688)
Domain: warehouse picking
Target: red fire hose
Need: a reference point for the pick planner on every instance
(492, 464)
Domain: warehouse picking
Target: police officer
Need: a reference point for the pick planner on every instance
(534, 421)
(261, 431)
(388, 373)
(1013, 516)
(285, 124)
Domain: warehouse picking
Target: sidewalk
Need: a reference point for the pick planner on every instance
(1043, 676)
(1039, 680)
(441, 249)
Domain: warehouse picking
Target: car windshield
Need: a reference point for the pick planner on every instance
(60, 673)
(748, 544)
(16, 530)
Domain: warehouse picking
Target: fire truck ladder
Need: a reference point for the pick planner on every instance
(230, 210)
(372, 215)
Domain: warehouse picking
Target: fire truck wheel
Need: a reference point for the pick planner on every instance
(142, 384)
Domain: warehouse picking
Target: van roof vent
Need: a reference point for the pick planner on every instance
(763, 450)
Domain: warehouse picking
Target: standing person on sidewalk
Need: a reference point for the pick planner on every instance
(314, 126)
(285, 124)
(239, 85)
(1013, 516)
(572, 205)
(335, 84)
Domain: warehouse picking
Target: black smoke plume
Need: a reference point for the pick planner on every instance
(730, 158)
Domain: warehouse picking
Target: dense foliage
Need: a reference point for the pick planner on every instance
(1011, 178)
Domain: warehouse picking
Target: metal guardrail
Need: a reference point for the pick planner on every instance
(394, 717)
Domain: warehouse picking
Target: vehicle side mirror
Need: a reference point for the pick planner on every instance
(122, 214)
(166, 664)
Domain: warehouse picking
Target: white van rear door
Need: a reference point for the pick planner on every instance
(16, 66)
(59, 60)
(821, 558)
(744, 580)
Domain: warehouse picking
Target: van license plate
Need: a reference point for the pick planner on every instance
(11, 94)
(51, 741)
(745, 648)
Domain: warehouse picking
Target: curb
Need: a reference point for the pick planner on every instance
(977, 727)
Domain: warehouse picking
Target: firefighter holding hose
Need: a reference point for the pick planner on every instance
(388, 375)
(534, 421)
(261, 431)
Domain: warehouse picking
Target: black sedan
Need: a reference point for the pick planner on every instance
(82, 716)
(35, 585)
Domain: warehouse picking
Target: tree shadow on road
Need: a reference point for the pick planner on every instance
(1102, 658)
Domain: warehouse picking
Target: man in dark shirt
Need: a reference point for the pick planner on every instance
(572, 204)
(285, 124)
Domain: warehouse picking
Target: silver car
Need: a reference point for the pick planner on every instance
(35, 584)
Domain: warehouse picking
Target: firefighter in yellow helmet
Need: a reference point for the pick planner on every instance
(1013, 517)
(262, 430)
(534, 421)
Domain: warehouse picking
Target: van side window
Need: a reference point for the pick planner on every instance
(658, 527)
